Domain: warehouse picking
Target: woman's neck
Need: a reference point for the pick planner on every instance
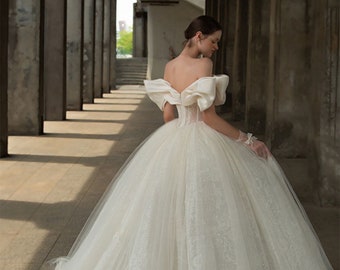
(191, 52)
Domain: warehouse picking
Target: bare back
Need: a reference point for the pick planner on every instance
(183, 71)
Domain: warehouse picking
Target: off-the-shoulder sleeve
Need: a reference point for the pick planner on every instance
(222, 82)
(206, 92)
(160, 92)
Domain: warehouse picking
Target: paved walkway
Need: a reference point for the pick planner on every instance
(50, 183)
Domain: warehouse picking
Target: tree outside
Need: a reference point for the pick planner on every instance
(124, 43)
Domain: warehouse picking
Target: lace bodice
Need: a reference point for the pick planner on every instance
(194, 99)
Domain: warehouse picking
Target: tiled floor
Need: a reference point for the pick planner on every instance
(49, 184)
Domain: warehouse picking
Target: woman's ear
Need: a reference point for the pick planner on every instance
(198, 36)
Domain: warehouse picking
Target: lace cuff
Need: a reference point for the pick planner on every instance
(247, 139)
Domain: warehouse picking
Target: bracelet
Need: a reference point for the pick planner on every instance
(247, 139)
(250, 139)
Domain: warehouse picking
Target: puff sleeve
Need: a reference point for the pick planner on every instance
(206, 92)
(160, 92)
(222, 82)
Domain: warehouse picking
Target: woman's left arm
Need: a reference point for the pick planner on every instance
(216, 122)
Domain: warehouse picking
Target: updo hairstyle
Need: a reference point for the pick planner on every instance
(205, 24)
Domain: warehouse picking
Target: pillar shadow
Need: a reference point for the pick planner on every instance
(56, 217)
(86, 161)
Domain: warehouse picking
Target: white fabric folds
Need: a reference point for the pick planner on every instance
(190, 198)
(205, 91)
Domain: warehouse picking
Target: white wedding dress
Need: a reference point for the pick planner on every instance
(190, 198)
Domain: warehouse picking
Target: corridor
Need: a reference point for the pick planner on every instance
(49, 184)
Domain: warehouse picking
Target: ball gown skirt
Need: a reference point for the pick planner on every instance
(191, 198)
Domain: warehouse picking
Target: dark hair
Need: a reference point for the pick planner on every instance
(206, 24)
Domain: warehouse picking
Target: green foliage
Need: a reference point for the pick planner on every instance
(124, 42)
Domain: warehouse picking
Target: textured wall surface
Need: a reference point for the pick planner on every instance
(74, 54)
(324, 138)
(55, 60)
(98, 49)
(23, 68)
(106, 46)
(257, 66)
(289, 74)
(3, 78)
(88, 52)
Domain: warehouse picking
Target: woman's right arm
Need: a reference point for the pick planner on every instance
(168, 112)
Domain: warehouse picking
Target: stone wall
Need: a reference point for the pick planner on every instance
(74, 53)
(257, 66)
(24, 77)
(3, 77)
(324, 138)
(287, 103)
(113, 45)
(54, 49)
(88, 52)
(106, 46)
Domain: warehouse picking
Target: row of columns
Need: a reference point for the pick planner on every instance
(266, 51)
(245, 43)
(282, 57)
(58, 54)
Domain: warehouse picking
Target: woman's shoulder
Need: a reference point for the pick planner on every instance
(171, 65)
(190, 68)
(205, 60)
(205, 67)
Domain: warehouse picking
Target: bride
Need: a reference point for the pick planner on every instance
(198, 194)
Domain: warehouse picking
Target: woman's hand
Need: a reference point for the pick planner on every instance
(254, 144)
(260, 149)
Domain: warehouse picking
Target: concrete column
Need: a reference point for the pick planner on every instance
(24, 89)
(88, 53)
(74, 55)
(3, 78)
(139, 31)
(257, 66)
(220, 11)
(240, 60)
(98, 47)
(289, 84)
(55, 60)
(272, 83)
(113, 45)
(324, 137)
(225, 13)
(106, 46)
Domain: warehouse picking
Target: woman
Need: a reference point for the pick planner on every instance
(198, 193)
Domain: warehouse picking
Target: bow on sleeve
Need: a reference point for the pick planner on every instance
(161, 92)
(206, 92)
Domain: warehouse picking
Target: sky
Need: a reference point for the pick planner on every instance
(125, 11)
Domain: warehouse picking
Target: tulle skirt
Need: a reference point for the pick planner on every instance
(191, 198)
